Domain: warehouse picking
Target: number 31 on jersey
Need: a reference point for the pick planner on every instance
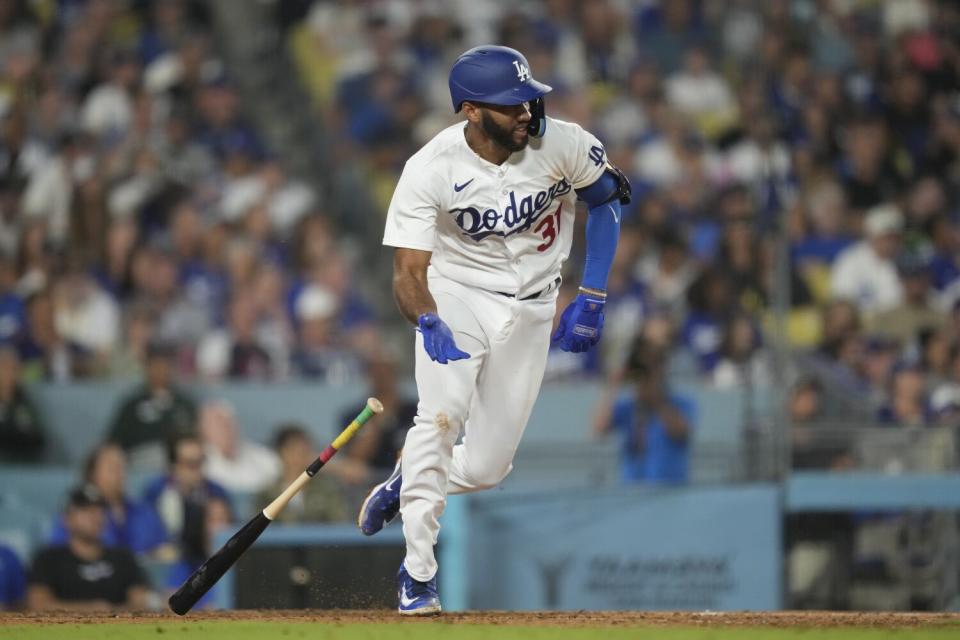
(548, 229)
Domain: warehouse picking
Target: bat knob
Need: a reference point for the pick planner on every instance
(375, 405)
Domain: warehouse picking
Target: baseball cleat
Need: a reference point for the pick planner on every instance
(381, 505)
(416, 598)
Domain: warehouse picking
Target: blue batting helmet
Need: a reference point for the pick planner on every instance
(495, 75)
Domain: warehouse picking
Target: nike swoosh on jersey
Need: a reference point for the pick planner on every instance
(460, 187)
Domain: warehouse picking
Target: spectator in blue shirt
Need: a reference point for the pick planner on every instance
(653, 423)
(13, 580)
(129, 523)
(181, 497)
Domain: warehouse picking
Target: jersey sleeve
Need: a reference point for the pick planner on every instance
(412, 216)
(587, 158)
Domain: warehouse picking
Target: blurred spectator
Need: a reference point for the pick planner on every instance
(879, 359)
(153, 413)
(915, 312)
(12, 311)
(235, 352)
(936, 349)
(945, 406)
(743, 360)
(46, 355)
(710, 300)
(83, 575)
(85, 315)
(669, 275)
(13, 580)
(945, 244)
(181, 496)
(865, 273)
(232, 460)
(130, 357)
(701, 94)
(627, 300)
(23, 435)
(826, 236)
(129, 523)
(653, 423)
(108, 109)
(816, 444)
(322, 499)
(908, 403)
(275, 330)
(378, 444)
(869, 174)
(762, 162)
(319, 354)
(50, 194)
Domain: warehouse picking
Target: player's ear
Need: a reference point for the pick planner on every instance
(471, 111)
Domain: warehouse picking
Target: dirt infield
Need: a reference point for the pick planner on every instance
(787, 619)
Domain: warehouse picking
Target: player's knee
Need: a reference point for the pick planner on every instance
(487, 476)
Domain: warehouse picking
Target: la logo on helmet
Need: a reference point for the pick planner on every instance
(522, 72)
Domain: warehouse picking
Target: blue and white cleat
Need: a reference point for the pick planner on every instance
(381, 505)
(417, 598)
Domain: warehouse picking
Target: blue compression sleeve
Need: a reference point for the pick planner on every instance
(603, 230)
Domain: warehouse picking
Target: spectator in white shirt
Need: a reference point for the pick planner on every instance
(85, 314)
(231, 460)
(701, 94)
(108, 110)
(49, 193)
(866, 273)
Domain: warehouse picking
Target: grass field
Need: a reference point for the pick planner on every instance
(481, 626)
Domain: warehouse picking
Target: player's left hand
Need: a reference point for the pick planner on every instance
(580, 325)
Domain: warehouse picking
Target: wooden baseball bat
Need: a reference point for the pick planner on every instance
(213, 569)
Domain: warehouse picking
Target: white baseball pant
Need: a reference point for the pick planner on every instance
(489, 396)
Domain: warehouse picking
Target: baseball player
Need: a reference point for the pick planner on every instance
(482, 220)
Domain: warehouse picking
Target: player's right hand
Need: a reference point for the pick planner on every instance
(438, 339)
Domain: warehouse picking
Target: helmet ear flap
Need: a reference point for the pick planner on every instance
(538, 119)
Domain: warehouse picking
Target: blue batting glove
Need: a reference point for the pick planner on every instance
(580, 325)
(438, 339)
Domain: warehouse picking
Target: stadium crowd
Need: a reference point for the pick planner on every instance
(795, 163)
(793, 155)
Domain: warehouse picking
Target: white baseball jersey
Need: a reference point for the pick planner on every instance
(505, 228)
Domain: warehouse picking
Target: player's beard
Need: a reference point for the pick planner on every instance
(501, 135)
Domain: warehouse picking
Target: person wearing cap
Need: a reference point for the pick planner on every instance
(154, 412)
(83, 574)
(317, 355)
(322, 500)
(945, 405)
(916, 312)
(866, 273)
(130, 523)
